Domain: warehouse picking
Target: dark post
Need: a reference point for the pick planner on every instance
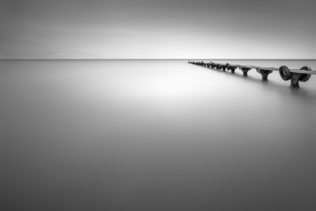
(295, 80)
(223, 67)
(245, 70)
(264, 73)
(233, 68)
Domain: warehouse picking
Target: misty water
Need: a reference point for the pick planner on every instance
(154, 135)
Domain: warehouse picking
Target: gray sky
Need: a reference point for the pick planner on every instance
(157, 29)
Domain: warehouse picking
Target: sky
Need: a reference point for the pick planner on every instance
(158, 29)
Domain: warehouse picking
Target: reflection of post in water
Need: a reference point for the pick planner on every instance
(295, 75)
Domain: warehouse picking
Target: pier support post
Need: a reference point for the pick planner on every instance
(286, 75)
(295, 78)
(264, 73)
(245, 70)
(232, 69)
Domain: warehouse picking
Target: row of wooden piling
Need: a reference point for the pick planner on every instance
(286, 74)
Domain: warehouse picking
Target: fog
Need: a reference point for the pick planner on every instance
(154, 135)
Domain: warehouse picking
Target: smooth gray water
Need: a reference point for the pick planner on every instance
(154, 135)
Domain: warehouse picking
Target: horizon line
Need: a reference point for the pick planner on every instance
(6, 59)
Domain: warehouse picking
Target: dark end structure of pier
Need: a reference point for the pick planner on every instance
(294, 75)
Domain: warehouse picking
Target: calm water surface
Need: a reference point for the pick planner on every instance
(154, 135)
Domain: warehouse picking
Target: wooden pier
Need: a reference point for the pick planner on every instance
(295, 75)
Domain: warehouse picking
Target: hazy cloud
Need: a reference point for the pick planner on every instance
(157, 29)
